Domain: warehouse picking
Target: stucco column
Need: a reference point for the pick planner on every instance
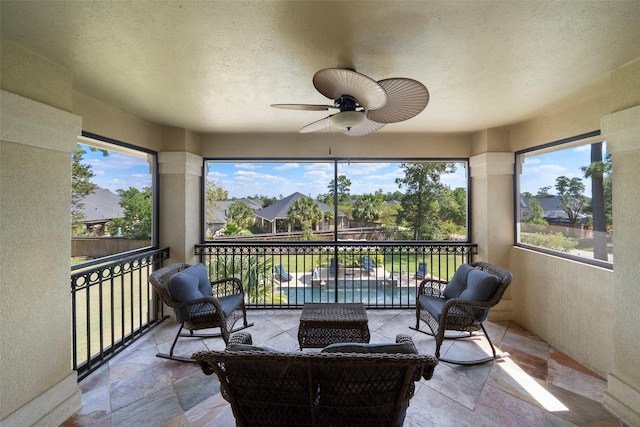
(180, 203)
(37, 384)
(492, 215)
(622, 132)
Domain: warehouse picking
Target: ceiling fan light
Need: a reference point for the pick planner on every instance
(347, 119)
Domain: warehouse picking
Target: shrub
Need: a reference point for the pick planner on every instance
(552, 241)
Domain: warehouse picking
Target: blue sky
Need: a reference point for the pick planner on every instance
(117, 170)
(543, 169)
(241, 179)
(310, 178)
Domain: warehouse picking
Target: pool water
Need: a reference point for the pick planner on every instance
(372, 293)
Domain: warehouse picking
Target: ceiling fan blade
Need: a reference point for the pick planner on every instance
(335, 82)
(305, 107)
(318, 125)
(406, 98)
(365, 128)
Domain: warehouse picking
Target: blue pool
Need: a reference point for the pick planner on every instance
(372, 293)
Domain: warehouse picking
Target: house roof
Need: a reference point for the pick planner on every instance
(219, 213)
(221, 63)
(546, 203)
(101, 206)
(279, 209)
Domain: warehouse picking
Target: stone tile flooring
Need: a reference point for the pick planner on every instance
(536, 386)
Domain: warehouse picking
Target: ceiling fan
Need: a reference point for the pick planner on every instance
(365, 105)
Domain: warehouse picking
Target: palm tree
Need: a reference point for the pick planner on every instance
(368, 207)
(255, 273)
(303, 213)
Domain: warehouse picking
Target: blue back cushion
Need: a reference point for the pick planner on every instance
(471, 284)
(391, 348)
(250, 347)
(481, 286)
(458, 282)
(190, 284)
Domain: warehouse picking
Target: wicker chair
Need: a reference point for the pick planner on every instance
(461, 304)
(216, 304)
(270, 388)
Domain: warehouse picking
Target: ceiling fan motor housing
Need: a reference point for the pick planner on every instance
(346, 103)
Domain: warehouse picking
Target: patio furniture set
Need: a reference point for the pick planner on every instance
(350, 381)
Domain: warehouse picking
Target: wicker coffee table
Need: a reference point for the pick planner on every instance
(324, 324)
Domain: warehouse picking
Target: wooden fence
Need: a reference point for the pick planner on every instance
(96, 247)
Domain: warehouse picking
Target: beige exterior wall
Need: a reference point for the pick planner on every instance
(622, 130)
(102, 119)
(329, 146)
(37, 384)
(588, 312)
(544, 285)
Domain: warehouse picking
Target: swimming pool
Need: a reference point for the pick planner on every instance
(371, 293)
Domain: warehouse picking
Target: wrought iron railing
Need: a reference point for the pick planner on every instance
(113, 305)
(287, 274)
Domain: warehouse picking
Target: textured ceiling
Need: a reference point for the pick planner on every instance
(216, 66)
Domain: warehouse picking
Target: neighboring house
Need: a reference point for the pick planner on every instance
(554, 213)
(273, 218)
(98, 208)
(217, 217)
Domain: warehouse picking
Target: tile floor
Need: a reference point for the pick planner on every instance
(536, 386)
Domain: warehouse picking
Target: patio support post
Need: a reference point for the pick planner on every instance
(180, 203)
(492, 214)
(37, 384)
(622, 132)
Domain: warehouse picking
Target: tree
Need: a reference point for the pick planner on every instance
(326, 198)
(343, 188)
(267, 200)
(137, 221)
(214, 195)
(303, 213)
(420, 202)
(536, 213)
(453, 206)
(241, 215)
(255, 274)
(571, 197)
(543, 192)
(368, 207)
(596, 171)
(81, 186)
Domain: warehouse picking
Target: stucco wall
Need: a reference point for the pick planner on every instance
(588, 312)
(622, 129)
(567, 303)
(36, 379)
(328, 146)
(37, 136)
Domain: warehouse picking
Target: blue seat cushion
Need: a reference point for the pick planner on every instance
(249, 347)
(457, 314)
(390, 348)
(230, 303)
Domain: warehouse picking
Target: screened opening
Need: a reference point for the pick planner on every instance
(336, 200)
(564, 199)
(112, 198)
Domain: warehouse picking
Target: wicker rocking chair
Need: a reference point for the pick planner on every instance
(461, 304)
(199, 303)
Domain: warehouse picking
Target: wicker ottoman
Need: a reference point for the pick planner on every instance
(324, 324)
